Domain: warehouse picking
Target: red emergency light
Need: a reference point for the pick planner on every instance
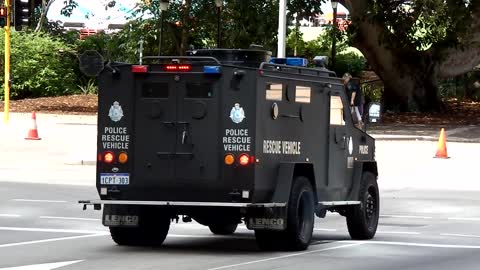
(139, 69)
(177, 68)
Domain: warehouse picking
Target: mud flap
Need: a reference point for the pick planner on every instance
(266, 218)
(121, 216)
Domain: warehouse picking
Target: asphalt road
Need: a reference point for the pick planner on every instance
(42, 227)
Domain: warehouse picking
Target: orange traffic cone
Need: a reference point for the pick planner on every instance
(442, 145)
(33, 133)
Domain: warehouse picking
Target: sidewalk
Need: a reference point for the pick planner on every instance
(396, 132)
(71, 139)
(404, 153)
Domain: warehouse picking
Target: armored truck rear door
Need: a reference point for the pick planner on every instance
(176, 127)
(155, 128)
(197, 127)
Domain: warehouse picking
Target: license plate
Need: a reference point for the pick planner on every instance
(114, 178)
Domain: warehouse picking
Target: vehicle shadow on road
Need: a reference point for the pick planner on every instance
(238, 243)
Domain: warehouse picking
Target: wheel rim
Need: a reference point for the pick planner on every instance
(371, 207)
(304, 208)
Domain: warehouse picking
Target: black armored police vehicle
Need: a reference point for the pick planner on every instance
(224, 137)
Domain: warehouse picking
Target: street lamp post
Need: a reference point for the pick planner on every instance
(163, 7)
(334, 32)
(219, 4)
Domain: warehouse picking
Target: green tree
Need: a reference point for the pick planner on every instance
(413, 44)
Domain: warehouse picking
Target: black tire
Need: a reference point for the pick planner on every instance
(223, 229)
(362, 220)
(300, 221)
(150, 233)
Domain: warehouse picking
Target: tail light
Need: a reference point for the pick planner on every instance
(229, 159)
(123, 158)
(108, 157)
(244, 159)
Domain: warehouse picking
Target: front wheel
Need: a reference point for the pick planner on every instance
(362, 220)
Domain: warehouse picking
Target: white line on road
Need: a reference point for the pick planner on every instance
(372, 242)
(325, 230)
(401, 216)
(49, 230)
(286, 256)
(390, 232)
(464, 219)
(52, 240)
(9, 215)
(40, 201)
(43, 266)
(70, 218)
(461, 235)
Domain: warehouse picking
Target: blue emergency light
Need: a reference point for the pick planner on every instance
(290, 61)
(212, 70)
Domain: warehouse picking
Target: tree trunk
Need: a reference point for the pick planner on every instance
(410, 76)
(43, 16)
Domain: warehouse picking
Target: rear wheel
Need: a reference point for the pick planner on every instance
(300, 220)
(362, 220)
(223, 228)
(149, 233)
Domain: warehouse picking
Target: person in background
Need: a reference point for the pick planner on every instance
(354, 95)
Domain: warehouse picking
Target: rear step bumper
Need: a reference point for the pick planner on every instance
(97, 203)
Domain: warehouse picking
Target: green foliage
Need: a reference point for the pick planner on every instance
(40, 66)
(349, 62)
(89, 88)
(417, 25)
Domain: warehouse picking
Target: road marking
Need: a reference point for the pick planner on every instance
(49, 230)
(372, 242)
(70, 218)
(461, 235)
(286, 256)
(10, 215)
(40, 201)
(390, 232)
(401, 216)
(464, 219)
(325, 230)
(43, 266)
(52, 240)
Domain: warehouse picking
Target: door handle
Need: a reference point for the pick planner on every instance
(184, 136)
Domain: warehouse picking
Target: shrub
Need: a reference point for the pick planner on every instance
(40, 66)
(349, 62)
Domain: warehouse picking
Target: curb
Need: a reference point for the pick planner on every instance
(379, 137)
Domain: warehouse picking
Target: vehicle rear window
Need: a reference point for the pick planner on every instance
(155, 90)
(199, 90)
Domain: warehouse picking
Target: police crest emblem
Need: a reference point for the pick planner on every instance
(116, 112)
(237, 114)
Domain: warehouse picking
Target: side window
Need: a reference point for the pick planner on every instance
(336, 111)
(302, 94)
(274, 91)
